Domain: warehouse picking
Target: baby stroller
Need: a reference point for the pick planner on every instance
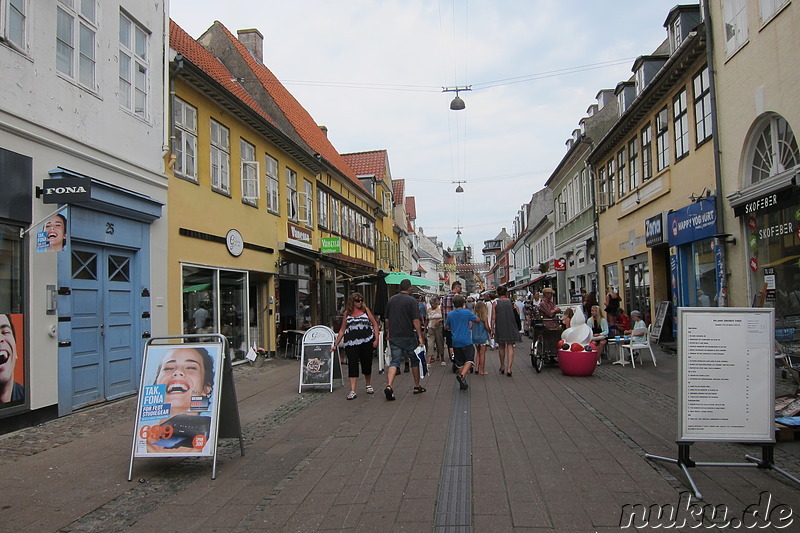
(544, 348)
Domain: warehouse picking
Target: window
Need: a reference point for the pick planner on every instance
(647, 153)
(621, 160)
(335, 215)
(273, 191)
(387, 202)
(633, 165)
(769, 8)
(220, 158)
(611, 181)
(322, 208)
(76, 26)
(585, 187)
(702, 106)
(735, 14)
(184, 118)
(251, 186)
(681, 124)
(775, 150)
(133, 66)
(307, 203)
(292, 204)
(602, 194)
(14, 20)
(662, 140)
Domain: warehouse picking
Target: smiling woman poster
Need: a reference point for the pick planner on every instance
(53, 237)
(178, 400)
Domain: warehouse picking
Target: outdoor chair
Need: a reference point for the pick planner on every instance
(639, 344)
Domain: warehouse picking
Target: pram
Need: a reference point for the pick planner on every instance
(544, 348)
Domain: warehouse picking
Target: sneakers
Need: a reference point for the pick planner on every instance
(370, 390)
(444, 364)
(462, 382)
(352, 395)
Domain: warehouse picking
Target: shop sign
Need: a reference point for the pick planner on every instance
(560, 264)
(330, 245)
(298, 236)
(692, 223)
(769, 282)
(773, 200)
(654, 230)
(66, 190)
(234, 243)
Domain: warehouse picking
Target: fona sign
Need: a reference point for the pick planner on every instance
(66, 190)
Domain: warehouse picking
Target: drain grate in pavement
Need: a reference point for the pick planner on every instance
(454, 504)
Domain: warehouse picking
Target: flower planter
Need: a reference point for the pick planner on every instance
(577, 363)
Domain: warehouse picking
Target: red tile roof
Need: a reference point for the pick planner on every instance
(302, 121)
(399, 191)
(184, 44)
(372, 163)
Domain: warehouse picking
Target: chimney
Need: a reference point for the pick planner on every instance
(324, 130)
(253, 41)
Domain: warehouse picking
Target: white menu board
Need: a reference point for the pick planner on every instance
(726, 374)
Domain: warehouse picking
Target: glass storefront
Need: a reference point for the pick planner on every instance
(215, 301)
(13, 380)
(636, 287)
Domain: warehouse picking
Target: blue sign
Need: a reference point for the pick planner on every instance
(694, 222)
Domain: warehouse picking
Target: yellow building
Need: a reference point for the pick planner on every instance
(654, 177)
(255, 187)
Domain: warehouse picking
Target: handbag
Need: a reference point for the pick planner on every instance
(517, 319)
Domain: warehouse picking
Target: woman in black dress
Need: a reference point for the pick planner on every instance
(506, 331)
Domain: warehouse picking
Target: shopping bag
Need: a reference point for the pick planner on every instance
(423, 361)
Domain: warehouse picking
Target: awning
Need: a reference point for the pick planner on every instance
(394, 278)
(531, 282)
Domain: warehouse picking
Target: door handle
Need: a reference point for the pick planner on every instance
(102, 330)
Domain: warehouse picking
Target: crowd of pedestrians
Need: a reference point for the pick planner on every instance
(459, 330)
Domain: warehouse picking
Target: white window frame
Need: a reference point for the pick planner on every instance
(184, 148)
(249, 172)
(14, 23)
(662, 139)
(734, 13)
(387, 202)
(585, 188)
(322, 208)
(770, 8)
(612, 181)
(306, 200)
(680, 123)
(273, 185)
(602, 194)
(621, 162)
(72, 48)
(292, 206)
(336, 215)
(220, 153)
(134, 66)
(702, 106)
(647, 152)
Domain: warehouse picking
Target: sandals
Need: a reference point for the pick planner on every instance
(419, 390)
(352, 395)
(389, 393)
(370, 390)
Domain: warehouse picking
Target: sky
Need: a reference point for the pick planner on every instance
(373, 72)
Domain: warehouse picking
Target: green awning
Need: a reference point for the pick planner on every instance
(198, 287)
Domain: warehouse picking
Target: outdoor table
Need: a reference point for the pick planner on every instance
(619, 341)
(293, 337)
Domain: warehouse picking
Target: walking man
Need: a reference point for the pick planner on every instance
(460, 323)
(404, 332)
(447, 306)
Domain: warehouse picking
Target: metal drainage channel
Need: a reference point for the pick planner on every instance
(454, 507)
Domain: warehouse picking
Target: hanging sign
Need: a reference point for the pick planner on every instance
(330, 245)
(66, 190)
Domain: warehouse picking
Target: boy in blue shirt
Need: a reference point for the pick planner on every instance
(460, 320)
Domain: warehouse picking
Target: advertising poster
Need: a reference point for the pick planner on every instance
(53, 234)
(179, 400)
(12, 360)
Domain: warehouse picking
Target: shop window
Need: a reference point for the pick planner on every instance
(775, 150)
(84, 265)
(11, 281)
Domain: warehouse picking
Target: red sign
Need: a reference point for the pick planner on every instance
(754, 264)
(560, 264)
(751, 223)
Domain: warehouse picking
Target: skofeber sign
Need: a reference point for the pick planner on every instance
(726, 374)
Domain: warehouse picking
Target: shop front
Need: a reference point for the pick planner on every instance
(15, 217)
(771, 227)
(695, 265)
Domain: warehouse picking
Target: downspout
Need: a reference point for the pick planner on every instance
(720, 238)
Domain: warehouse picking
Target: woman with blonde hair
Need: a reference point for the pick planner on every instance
(599, 327)
(360, 332)
(435, 332)
(481, 331)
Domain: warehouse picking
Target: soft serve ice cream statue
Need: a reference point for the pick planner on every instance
(579, 332)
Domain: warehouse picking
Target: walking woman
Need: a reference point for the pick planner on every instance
(435, 332)
(360, 332)
(504, 326)
(481, 331)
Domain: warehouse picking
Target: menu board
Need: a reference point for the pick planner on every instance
(726, 374)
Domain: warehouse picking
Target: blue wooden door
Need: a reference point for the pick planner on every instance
(103, 337)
